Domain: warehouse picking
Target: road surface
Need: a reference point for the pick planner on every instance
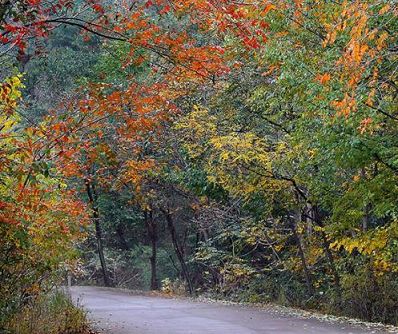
(119, 312)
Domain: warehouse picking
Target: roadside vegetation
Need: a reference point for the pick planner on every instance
(52, 313)
(240, 149)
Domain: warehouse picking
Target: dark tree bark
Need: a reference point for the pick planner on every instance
(318, 220)
(4, 6)
(307, 274)
(178, 250)
(120, 233)
(329, 255)
(92, 197)
(367, 208)
(153, 237)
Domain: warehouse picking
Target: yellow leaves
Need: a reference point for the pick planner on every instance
(382, 266)
(6, 123)
(10, 93)
(241, 162)
(330, 38)
(236, 273)
(384, 9)
(134, 172)
(34, 200)
(381, 41)
(199, 124)
(358, 51)
(374, 244)
(241, 148)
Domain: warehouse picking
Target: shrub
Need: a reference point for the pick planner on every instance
(173, 287)
(53, 313)
(370, 296)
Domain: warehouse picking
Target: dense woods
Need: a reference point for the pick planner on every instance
(241, 149)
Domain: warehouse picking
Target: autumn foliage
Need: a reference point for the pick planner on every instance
(269, 126)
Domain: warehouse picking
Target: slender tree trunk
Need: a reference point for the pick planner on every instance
(307, 274)
(367, 208)
(329, 255)
(98, 231)
(178, 250)
(366, 217)
(326, 246)
(153, 237)
(123, 242)
(4, 4)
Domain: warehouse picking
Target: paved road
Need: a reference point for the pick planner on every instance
(118, 312)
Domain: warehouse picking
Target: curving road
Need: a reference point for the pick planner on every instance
(118, 312)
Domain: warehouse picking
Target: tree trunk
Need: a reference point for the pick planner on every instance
(367, 208)
(307, 274)
(329, 255)
(178, 250)
(92, 197)
(120, 233)
(366, 217)
(153, 237)
(4, 6)
(326, 246)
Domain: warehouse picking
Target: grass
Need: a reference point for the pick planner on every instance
(53, 313)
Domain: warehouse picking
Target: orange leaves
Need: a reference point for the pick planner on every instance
(198, 64)
(5, 214)
(59, 127)
(330, 38)
(365, 123)
(381, 41)
(134, 170)
(361, 47)
(384, 9)
(267, 8)
(242, 20)
(323, 78)
(357, 52)
(136, 22)
(126, 116)
(272, 70)
(345, 106)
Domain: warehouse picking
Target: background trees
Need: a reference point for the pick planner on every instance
(245, 149)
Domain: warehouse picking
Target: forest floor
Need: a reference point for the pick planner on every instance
(115, 311)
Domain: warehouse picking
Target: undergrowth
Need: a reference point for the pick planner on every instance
(53, 313)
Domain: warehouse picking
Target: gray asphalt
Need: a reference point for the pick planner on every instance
(118, 312)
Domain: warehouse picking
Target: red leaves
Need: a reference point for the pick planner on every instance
(37, 18)
(148, 3)
(34, 2)
(165, 10)
(10, 28)
(251, 42)
(98, 8)
(139, 112)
